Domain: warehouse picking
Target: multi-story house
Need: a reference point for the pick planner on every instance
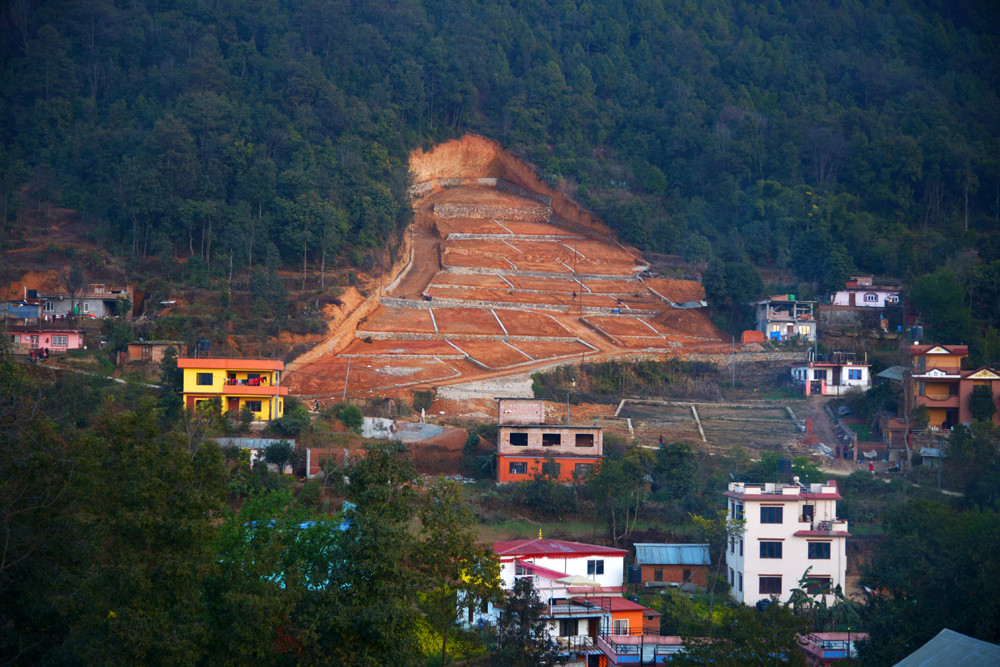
(832, 375)
(938, 383)
(527, 446)
(254, 384)
(789, 529)
(581, 586)
(783, 317)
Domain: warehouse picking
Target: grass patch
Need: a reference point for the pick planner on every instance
(863, 432)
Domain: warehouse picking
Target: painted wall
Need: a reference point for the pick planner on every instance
(533, 466)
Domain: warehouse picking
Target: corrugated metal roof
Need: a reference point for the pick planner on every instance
(953, 648)
(671, 554)
(252, 443)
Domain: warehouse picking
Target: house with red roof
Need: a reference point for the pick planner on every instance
(939, 383)
(582, 586)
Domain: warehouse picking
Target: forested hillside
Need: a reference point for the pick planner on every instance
(818, 136)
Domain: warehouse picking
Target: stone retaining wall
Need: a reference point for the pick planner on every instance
(414, 335)
(438, 302)
(493, 212)
(476, 270)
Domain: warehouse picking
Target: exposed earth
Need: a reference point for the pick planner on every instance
(505, 278)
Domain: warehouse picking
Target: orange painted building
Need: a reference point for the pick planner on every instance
(527, 446)
(938, 383)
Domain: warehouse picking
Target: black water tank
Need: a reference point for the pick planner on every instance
(634, 574)
(916, 332)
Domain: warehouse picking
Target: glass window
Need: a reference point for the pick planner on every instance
(595, 567)
(854, 374)
(770, 586)
(254, 406)
(819, 550)
(550, 469)
(621, 626)
(204, 379)
(518, 468)
(770, 549)
(50, 306)
(658, 574)
(771, 515)
(583, 469)
(871, 297)
(60, 341)
(519, 439)
(740, 579)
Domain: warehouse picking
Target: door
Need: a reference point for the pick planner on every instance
(815, 387)
(852, 301)
(232, 405)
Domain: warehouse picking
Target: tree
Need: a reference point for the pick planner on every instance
(619, 487)
(522, 638)
(721, 533)
(351, 417)
(675, 471)
(280, 454)
(748, 636)
(73, 282)
(458, 575)
(981, 403)
(935, 569)
(171, 384)
(940, 298)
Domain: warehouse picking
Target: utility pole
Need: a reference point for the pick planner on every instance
(572, 382)
(346, 378)
(734, 363)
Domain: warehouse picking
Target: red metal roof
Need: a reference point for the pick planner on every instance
(781, 498)
(553, 549)
(233, 364)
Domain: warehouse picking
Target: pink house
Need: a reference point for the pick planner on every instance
(57, 341)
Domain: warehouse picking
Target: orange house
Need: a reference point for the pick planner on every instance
(938, 383)
(527, 446)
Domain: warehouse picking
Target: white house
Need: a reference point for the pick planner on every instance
(789, 529)
(832, 375)
(860, 292)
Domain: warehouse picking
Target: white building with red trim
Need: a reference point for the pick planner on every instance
(789, 529)
(582, 585)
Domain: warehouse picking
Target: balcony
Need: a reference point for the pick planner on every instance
(639, 649)
(938, 400)
(253, 390)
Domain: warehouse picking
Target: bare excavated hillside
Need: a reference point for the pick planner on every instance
(506, 276)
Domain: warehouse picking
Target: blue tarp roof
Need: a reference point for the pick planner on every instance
(671, 554)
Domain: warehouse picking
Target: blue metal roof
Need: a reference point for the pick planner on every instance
(671, 554)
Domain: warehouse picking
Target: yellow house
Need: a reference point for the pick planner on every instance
(240, 383)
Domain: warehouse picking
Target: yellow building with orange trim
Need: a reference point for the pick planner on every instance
(240, 383)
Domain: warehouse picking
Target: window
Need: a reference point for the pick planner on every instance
(741, 547)
(86, 307)
(568, 627)
(658, 574)
(50, 306)
(60, 341)
(853, 373)
(253, 406)
(739, 512)
(595, 567)
(740, 580)
(550, 469)
(921, 388)
(583, 469)
(621, 626)
(584, 439)
(871, 297)
(519, 439)
(805, 330)
(518, 468)
(204, 379)
(807, 513)
(819, 550)
(771, 515)
(770, 586)
(732, 544)
(819, 375)
(551, 439)
(818, 584)
(892, 298)
(770, 549)
(732, 577)
(520, 570)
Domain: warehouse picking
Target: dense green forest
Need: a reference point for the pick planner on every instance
(818, 136)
